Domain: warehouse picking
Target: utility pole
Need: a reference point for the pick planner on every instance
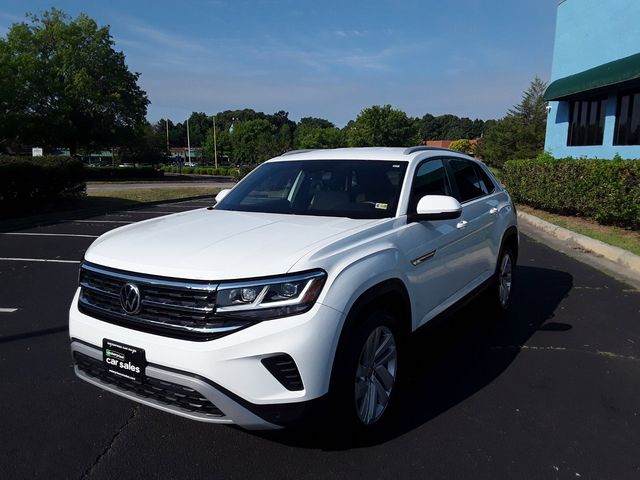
(188, 142)
(215, 145)
(166, 122)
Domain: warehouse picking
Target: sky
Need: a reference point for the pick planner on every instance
(326, 58)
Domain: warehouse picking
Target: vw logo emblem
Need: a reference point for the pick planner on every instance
(130, 298)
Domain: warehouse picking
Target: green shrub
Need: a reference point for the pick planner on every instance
(607, 191)
(121, 173)
(26, 182)
(221, 171)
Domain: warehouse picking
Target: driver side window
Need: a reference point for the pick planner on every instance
(430, 179)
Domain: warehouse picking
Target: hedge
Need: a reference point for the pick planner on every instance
(223, 171)
(121, 173)
(26, 182)
(607, 191)
(235, 172)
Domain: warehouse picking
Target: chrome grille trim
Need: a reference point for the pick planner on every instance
(175, 308)
(151, 280)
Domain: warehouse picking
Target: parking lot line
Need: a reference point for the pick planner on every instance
(49, 234)
(46, 260)
(8, 310)
(101, 221)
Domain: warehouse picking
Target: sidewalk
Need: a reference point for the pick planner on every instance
(615, 261)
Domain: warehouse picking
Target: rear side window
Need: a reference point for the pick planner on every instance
(468, 180)
(484, 178)
(430, 179)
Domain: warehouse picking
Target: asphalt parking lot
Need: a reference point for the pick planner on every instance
(553, 392)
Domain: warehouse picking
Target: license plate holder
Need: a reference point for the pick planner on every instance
(123, 360)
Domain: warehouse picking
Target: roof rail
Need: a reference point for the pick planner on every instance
(293, 152)
(424, 148)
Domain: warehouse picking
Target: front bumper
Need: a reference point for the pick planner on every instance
(228, 371)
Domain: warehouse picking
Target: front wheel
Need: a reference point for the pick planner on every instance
(366, 372)
(375, 375)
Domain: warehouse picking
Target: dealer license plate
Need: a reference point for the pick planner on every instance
(123, 360)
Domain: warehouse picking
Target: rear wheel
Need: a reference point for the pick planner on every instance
(501, 292)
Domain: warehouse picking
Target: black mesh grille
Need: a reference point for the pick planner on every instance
(181, 309)
(166, 393)
(285, 370)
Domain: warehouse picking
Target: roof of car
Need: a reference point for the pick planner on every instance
(363, 153)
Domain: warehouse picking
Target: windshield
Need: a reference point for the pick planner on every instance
(335, 188)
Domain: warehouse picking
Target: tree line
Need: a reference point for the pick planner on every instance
(250, 136)
(63, 84)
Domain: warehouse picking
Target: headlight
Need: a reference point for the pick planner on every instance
(269, 298)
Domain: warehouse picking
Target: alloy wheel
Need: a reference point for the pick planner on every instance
(505, 279)
(375, 375)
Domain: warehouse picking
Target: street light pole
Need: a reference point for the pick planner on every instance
(166, 122)
(188, 142)
(215, 144)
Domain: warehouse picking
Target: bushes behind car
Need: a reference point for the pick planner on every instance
(607, 191)
(122, 173)
(26, 182)
(235, 172)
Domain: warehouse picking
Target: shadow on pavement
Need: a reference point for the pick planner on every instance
(449, 362)
(37, 333)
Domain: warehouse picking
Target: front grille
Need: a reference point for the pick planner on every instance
(164, 393)
(176, 308)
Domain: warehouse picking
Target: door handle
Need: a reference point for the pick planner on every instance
(462, 224)
(493, 211)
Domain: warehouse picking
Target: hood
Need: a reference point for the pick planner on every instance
(218, 244)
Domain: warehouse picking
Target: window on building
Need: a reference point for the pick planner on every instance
(586, 126)
(628, 120)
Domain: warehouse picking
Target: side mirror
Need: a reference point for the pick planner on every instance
(436, 207)
(221, 194)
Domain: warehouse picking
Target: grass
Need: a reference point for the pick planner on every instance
(616, 236)
(151, 194)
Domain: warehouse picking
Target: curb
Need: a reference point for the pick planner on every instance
(618, 255)
(50, 218)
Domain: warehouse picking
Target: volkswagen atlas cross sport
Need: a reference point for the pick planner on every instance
(297, 289)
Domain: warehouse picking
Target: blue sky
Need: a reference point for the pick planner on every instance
(329, 59)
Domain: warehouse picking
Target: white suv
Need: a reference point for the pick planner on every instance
(299, 286)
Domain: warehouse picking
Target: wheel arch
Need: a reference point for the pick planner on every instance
(511, 239)
(390, 295)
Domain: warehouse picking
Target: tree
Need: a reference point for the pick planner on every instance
(223, 143)
(382, 126)
(312, 132)
(521, 133)
(255, 141)
(317, 137)
(315, 122)
(199, 125)
(463, 146)
(446, 127)
(64, 84)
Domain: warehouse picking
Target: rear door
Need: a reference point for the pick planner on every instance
(474, 191)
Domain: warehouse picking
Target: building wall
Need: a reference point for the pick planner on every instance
(590, 33)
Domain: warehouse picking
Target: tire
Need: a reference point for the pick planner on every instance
(365, 383)
(501, 292)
